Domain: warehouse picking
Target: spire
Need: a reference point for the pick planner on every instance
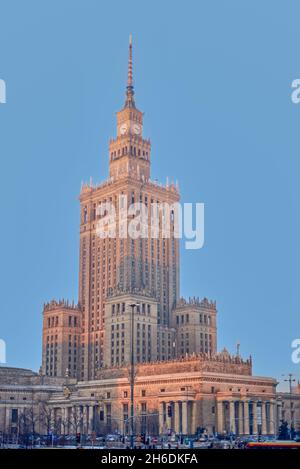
(129, 90)
(129, 80)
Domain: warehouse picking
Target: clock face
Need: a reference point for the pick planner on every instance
(123, 129)
(137, 129)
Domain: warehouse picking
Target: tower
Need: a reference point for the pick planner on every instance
(195, 322)
(123, 265)
(129, 152)
(61, 339)
(122, 268)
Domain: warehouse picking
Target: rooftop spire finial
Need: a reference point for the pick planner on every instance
(129, 91)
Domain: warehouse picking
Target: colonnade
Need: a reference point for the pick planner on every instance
(246, 417)
(178, 416)
(76, 418)
(230, 415)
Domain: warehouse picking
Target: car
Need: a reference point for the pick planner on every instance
(112, 438)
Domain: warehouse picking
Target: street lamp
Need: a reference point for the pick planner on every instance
(132, 305)
(290, 380)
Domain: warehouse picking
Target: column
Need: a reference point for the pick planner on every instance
(168, 419)
(272, 418)
(161, 418)
(185, 417)
(91, 419)
(85, 419)
(280, 412)
(246, 418)
(68, 419)
(241, 418)
(74, 419)
(176, 417)
(263, 418)
(55, 419)
(61, 429)
(80, 418)
(193, 409)
(278, 415)
(254, 410)
(63, 421)
(7, 420)
(232, 417)
(220, 416)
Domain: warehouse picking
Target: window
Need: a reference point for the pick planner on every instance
(108, 414)
(14, 415)
(85, 215)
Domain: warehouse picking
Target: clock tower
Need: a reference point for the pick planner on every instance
(130, 152)
(118, 271)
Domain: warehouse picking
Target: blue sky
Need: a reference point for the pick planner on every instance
(214, 80)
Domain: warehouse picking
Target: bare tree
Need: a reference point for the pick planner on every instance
(46, 417)
(75, 420)
(23, 422)
(33, 418)
(152, 423)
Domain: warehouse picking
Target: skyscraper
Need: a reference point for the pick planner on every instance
(120, 268)
(122, 263)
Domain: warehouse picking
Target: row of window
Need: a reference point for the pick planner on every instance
(119, 308)
(185, 319)
(132, 151)
(53, 321)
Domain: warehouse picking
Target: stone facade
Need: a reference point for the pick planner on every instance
(24, 401)
(216, 392)
(128, 315)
